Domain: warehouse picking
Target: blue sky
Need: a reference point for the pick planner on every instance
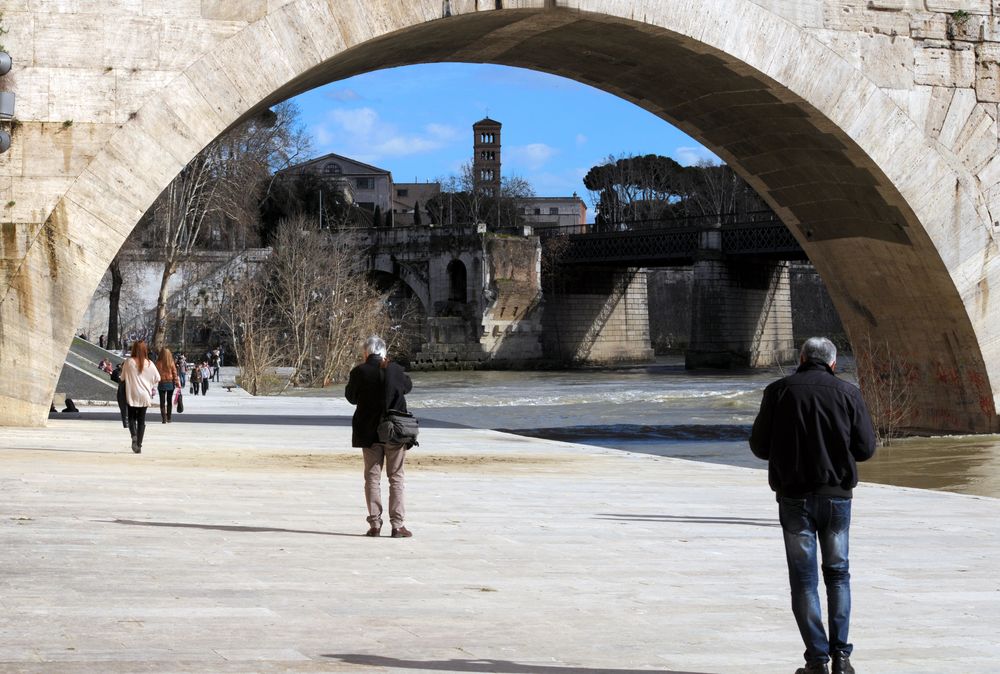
(416, 121)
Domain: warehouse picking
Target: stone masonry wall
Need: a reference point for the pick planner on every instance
(741, 315)
(598, 316)
(670, 296)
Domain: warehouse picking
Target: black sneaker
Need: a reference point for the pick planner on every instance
(135, 446)
(842, 664)
(815, 668)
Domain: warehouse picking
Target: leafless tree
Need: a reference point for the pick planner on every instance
(217, 193)
(306, 307)
(114, 303)
(255, 332)
(887, 383)
(176, 220)
(715, 189)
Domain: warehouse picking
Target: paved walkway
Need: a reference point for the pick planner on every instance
(236, 548)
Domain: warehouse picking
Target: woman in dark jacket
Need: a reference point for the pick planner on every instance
(375, 386)
(116, 376)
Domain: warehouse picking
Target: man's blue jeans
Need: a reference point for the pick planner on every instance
(804, 521)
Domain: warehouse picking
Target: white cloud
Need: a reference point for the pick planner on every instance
(360, 121)
(344, 95)
(442, 131)
(362, 133)
(689, 156)
(533, 156)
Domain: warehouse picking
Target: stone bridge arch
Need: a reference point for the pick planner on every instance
(889, 195)
(387, 272)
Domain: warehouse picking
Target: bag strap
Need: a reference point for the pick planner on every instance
(381, 376)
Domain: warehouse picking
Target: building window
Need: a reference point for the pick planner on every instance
(457, 281)
(402, 193)
(538, 211)
(332, 169)
(553, 210)
(364, 183)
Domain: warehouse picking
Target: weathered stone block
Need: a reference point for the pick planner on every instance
(944, 67)
(887, 61)
(977, 142)
(969, 6)
(66, 102)
(59, 149)
(851, 15)
(988, 72)
(963, 102)
(929, 26)
(234, 10)
(184, 40)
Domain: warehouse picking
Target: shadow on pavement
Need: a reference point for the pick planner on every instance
(485, 665)
(748, 521)
(226, 527)
(269, 419)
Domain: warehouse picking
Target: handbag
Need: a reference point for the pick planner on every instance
(396, 427)
(180, 402)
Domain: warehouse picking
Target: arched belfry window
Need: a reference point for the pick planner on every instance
(457, 281)
(332, 169)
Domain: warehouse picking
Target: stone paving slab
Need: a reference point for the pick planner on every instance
(232, 548)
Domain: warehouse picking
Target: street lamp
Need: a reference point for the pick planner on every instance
(6, 102)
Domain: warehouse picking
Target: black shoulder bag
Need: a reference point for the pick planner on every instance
(396, 428)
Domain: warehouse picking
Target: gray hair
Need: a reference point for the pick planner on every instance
(376, 345)
(819, 348)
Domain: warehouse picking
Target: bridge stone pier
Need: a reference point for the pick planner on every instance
(741, 315)
(741, 309)
(869, 126)
(597, 315)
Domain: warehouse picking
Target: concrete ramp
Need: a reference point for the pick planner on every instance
(80, 379)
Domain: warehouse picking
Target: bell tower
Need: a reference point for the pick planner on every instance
(486, 156)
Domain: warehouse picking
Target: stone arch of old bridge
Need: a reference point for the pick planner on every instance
(869, 127)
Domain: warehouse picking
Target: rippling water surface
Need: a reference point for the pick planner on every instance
(665, 410)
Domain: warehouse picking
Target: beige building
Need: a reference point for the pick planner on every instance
(407, 196)
(362, 184)
(542, 212)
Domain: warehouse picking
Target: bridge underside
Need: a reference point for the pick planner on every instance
(888, 278)
(884, 273)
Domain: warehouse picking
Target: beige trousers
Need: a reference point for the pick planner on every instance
(393, 457)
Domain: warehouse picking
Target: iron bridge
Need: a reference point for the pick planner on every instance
(676, 242)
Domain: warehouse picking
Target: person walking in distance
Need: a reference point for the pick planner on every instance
(140, 376)
(182, 370)
(195, 378)
(169, 380)
(206, 376)
(216, 363)
(375, 386)
(812, 428)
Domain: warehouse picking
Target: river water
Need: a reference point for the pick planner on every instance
(663, 409)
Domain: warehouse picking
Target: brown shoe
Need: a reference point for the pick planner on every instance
(374, 531)
(401, 532)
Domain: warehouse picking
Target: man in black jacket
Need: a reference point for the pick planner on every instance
(375, 386)
(812, 428)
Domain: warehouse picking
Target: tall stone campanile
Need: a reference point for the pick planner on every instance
(486, 156)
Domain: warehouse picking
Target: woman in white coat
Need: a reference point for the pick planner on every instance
(141, 377)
